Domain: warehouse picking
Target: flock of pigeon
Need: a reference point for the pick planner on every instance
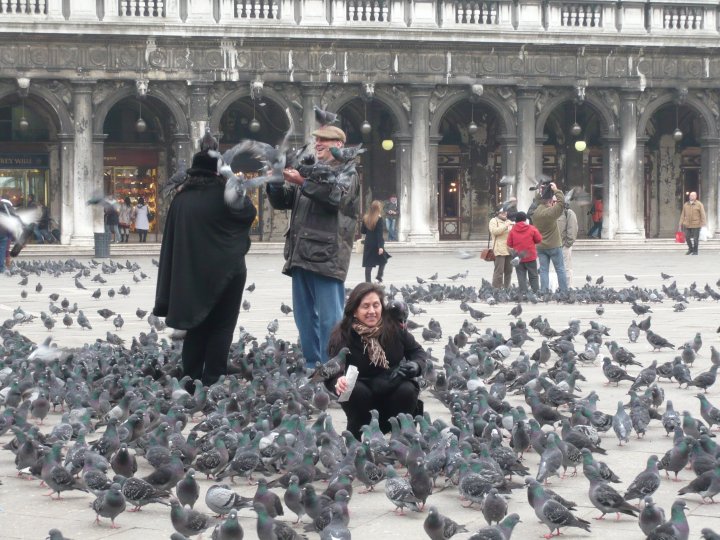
(126, 430)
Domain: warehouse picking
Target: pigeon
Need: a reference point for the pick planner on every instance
(222, 500)
(605, 498)
(651, 516)
(139, 493)
(633, 332)
(502, 531)
(269, 528)
(707, 485)
(230, 529)
(332, 368)
(440, 527)
(551, 460)
(553, 514)
(399, 492)
(347, 153)
(187, 521)
(657, 342)
(140, 313)
(270, 501)
(622, 424)
(630, 278)
(285, 308)
(646, 483)
(324, 118)
(109, 504)
(494, 507)
(677, 528)
(293, 498)
(187, 489)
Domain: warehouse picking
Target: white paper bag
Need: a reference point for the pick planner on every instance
(704, 235)
(351, 376)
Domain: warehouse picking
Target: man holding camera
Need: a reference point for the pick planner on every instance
(551, 204)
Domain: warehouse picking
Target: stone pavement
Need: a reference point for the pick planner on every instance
(25, 513)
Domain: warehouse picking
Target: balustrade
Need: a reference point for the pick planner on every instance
(581, 15)
(23, 7)
(141, 8)
(368, 10)
(485, 13)
(682, 18)
(257, 9)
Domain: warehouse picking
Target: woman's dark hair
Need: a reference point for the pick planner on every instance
(127, 200)
(141, 200)
(341, 334)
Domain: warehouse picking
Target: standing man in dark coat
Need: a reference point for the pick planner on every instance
(202, 269)
(374, 247)
(318, 244)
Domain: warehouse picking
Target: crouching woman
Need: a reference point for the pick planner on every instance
(386, 355)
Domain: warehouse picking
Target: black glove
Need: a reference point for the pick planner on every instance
(409, 370)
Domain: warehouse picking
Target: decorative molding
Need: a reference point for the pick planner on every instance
(612, 100)
(103, 89)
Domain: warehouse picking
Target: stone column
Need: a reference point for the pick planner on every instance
(526, 159)
(311, 94)
(508, 153)
(84, 216)
(710, 169)
(403, 145)
(611, 184)
(422, 189)
(434, 150)
(67, 188)
(199, 112)
(630, 207)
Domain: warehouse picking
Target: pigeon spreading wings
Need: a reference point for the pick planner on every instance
(324, 118)
(19, 224)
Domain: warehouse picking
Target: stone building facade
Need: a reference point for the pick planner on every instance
(616, 98)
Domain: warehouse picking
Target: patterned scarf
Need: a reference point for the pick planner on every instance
(372, 345)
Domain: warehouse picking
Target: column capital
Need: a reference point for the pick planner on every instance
(402, 139)
(630, 94)
(435, 139)
(612, 139)
(421, 90)
(198, 85)
(507, 139)
(99, 137)
(527, 92)
(83, 85)
(312, 88)
(709, 142)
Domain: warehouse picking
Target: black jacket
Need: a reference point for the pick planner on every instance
(203, 248)
(322, 225)
(404, 347)
(373, 241)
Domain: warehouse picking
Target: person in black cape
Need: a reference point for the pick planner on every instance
(202, 270)
(374, 253)
(387, 357)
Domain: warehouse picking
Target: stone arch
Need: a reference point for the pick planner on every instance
(268, 92)
(64, 122)
(608, 124)
(709, 120)
(163, 97)
(505, 115)
(381, 96)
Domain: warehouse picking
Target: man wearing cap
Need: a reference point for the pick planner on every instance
(318, 245)
(551, 204)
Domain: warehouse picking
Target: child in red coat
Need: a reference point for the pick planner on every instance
(522, 239)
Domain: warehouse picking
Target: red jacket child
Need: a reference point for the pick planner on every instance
(523, 237)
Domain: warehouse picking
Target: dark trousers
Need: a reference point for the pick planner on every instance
(526, 270)
(124, 233)
(692, 237)
(142, 233)
(403, 399)
(206, 347)
(368, 273)
(502, 274)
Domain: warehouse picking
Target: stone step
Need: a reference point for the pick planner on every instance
(34, 251)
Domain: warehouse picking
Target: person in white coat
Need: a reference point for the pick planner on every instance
(142, 223)
(568, 226)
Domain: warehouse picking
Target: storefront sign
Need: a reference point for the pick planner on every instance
(126, 157)
(24, 161)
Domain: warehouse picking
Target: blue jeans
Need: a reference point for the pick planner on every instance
(391, 226)
(3, 248)
(318, 303)
(596, 228)
(115, 229)
(556, 256)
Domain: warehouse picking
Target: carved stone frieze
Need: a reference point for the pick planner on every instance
(330, 95)
(442, 93)
(401, 96)
(178, 90)
(290, 92)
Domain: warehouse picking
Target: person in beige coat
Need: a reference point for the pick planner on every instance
(499, 228)
(568, 226)
(692, 218)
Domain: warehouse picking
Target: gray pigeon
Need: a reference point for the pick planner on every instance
(622, 424)
(109, 504)
(230, 529)
(552, 513)
(399, 492)
(494, 507)
(502, 531)
(439, 527)
(605, 498)
(187, 489)
(222, 500)
(551, 460)
(646, 483)
(651, 516)
(187, 521)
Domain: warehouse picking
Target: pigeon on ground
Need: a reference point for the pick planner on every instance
(230, 529)
(502, 531)
(552, 513)
(440, 527)
(109, 504)
(399, 492)
(187, 521)
(676, 528)
(605, 498)
(622, 424)
(646, 483)
(222, 500)
(187, 489)
(494, 507)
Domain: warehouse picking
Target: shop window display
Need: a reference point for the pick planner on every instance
(134, 182)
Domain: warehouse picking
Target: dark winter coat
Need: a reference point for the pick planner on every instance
(522, 238)
(112, 216)
(403, 348)
(373, 241)
(203, 248)
(322, 225)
